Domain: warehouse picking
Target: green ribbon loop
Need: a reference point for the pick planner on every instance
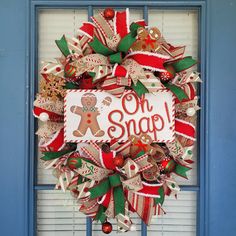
(100, 189)
(115, 58)
(127, 41)
(181, 170)
(48, 156)
(177, 91)
(162, 196)
(62, 45)
(183, 64)
(123, 47)
(113, 181)
(119, 200)
(133, 29)
(100, 48)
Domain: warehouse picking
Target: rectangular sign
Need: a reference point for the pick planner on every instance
(95, 115)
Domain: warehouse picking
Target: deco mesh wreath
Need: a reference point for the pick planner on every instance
(113, 178)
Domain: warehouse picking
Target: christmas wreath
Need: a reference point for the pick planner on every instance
(121, 175)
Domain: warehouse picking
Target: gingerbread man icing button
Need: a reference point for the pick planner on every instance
(88, 113)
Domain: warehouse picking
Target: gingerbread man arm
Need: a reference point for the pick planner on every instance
(76, 109)
(97, 112)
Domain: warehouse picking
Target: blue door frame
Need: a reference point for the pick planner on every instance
(17, 56)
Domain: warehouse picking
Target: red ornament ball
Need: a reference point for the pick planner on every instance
(118, 161)
(109, 13)
(74, 162)
(167, 75)
(106, 227)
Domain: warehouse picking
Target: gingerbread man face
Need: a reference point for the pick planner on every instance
(88, 100)
(142, 33)
(146, 139)
(155, 33)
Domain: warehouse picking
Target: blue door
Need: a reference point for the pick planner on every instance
(18, 50)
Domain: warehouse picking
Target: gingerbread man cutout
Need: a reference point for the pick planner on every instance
(147, 40)
(88, 115)
(141, 143)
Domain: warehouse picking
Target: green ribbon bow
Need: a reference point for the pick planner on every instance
(123, 47)
(112, 182)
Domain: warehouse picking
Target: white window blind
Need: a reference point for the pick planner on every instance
(180, 217)
(57, 213)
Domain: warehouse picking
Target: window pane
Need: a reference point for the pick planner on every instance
(58, 215)
(178, 26)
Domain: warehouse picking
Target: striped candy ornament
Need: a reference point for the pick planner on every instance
(70, 71)
(73, 162)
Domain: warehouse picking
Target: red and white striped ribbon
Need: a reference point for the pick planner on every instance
(149, 190)
(149, 60)
(185, 129)
(121, 23)
(110, 85)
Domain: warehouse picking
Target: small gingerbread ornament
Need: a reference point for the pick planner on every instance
(147, 40)
(141, 144)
